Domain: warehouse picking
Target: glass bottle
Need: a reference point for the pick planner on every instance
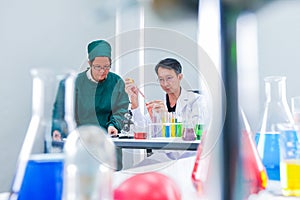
(276, 111)
(254, 173)
(90, 161)
(38, 138)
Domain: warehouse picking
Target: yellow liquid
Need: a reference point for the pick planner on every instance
(290, 177)
(173, 130)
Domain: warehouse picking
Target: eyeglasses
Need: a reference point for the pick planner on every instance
(168, 79)
(98, 67)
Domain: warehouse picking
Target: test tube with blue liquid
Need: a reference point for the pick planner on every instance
(167, 125)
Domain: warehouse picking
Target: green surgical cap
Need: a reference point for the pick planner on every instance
(99, 48)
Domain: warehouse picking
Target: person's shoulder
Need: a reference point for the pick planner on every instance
(81, 78)
(193, 95)
(115, 77)
(81, 75)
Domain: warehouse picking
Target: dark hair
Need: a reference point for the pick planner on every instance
(169, 63)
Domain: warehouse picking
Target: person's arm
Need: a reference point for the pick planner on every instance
(139, 119)
(59, 125)
(132, 91)
(120, 103)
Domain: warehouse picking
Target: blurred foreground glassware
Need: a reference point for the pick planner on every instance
(202, 167)
(90, 161)
(289, 160)
(43, 178)
(276, 111)
(38, 137)
(254, 173)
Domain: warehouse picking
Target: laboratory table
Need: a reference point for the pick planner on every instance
(171, 143)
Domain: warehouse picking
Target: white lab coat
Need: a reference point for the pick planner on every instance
(198, 109)
(195, 103)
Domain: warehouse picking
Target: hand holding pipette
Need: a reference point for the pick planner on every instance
(156, 105)
(132, 90)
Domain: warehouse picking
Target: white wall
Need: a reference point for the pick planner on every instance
(38, 34)
(278, 39)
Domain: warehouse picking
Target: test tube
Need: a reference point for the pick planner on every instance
(173, 128)
(167, 125)
(178, 121)
(163, 120)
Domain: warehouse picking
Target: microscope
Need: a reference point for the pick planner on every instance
(128, 126)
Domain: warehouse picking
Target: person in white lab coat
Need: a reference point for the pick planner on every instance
(177, 99)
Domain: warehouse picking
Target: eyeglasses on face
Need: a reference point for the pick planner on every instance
(98, 67)
(168, 79)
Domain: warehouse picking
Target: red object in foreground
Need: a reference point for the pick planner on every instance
(151, 185)
(255, 175)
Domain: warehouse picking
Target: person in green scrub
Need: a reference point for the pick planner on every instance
(100, 94)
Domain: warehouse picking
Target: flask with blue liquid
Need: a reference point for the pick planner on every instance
(276, 112)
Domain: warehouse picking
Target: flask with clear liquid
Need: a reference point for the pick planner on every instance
(276, 111)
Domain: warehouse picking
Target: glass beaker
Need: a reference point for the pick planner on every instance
(276, 111)
(289, 159)
(38, 138)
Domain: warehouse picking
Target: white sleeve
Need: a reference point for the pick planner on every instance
(139, 119)
(200, 108)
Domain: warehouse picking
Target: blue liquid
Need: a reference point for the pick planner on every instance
(43, 180)
(167, 130)
(268, 149)
(289, 144)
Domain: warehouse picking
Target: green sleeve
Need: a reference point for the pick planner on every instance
(120, 103)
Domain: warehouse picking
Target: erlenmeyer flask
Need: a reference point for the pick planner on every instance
(254, 173)
(38, 137)
(276, 111)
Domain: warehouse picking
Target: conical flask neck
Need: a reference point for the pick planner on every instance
(70, 100)
(275, 89)
(42, 92)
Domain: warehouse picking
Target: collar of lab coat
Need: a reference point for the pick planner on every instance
(185, 98)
